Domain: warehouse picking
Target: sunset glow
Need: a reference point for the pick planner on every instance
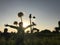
(46, 13)
(25, 24)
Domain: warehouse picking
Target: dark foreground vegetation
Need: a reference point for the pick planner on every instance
(38, 38)
(45, 37)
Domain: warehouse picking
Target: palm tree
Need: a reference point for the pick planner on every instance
(20, 14)
(15, 23)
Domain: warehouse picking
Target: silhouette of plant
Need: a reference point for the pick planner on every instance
(20, 33)
(20, 14)
(33, 23)
(34, 17)
(15, 23)
(57, 29)
(30, 17)
(45, 37)
(5, 30)
(46, 31)
(59, 23)
(35, 29)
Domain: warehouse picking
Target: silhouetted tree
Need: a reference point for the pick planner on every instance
(6, 34)
(58, 28)
(20, 29)
(20, 14)
(46, 31)
(5, 30)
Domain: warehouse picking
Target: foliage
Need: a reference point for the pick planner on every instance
(33, 39)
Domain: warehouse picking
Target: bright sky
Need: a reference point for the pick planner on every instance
(47, 12)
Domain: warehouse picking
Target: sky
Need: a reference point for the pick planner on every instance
(47, 13)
